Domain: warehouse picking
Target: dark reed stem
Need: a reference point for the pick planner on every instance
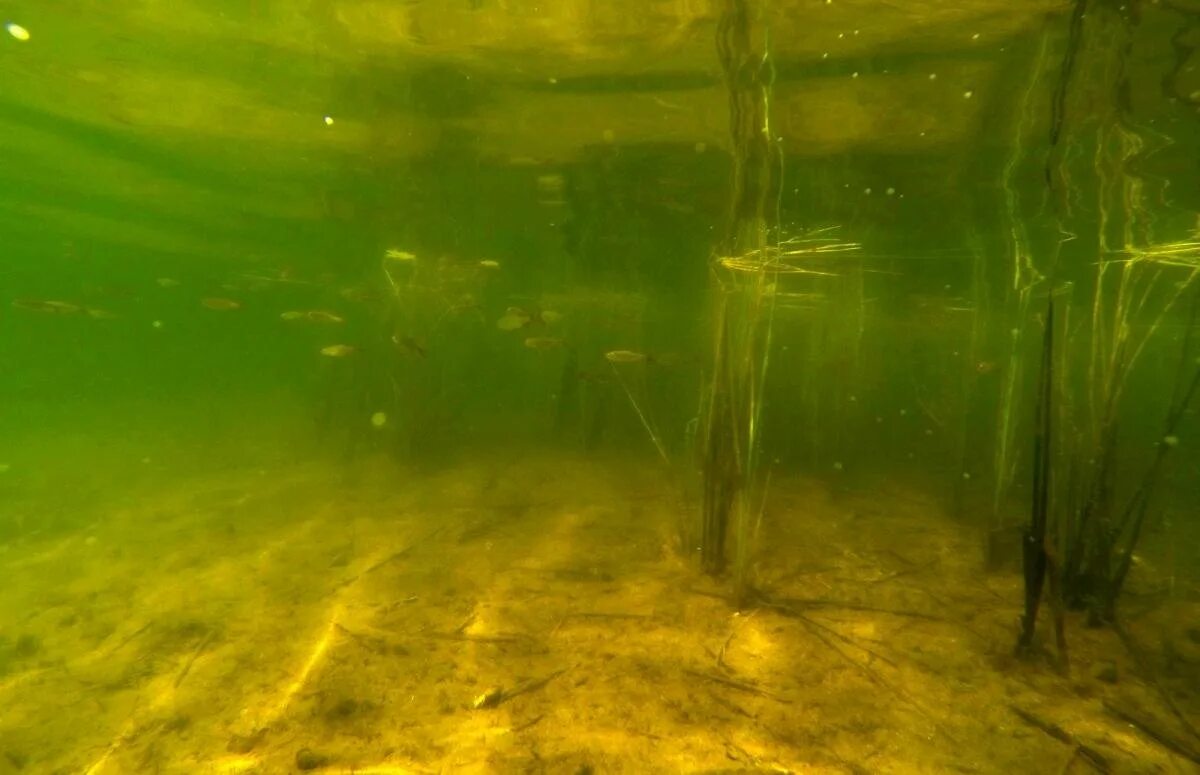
(1034, 546)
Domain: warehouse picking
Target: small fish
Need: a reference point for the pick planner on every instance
(338, 350)
(488, 263)
(543, 342)
(221, 305)
(985, 367)
(399, 255)
(321, 316)
(357, 294)
(17, 31)
(167, 282)
(596, 377)
(519, 317)
(291, 315)
(54, 307)
(514, 318)
(626, 356)
(465, 303)
(410, 345)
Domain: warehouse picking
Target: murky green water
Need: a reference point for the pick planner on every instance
(283, 281)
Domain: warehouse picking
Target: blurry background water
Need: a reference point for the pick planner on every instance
(179, 175)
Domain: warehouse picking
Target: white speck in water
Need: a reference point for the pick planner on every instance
(157, 324)
(553, 80)
(824, 55)
(890, 191)
(933, 76)
(841, 35)
(145, 460)
(853, 399)
(966, 474)
(929, 431)
(903, 412)
(854, 74)
(968, 94)
(866, 191)
(5, 468)
(837, 466)
(1171, 441)
(329, 121)
(975, 36)
(856, 32)
(379, 419)
(17, 31)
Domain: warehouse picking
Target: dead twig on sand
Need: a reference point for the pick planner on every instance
(741, 686)
(815, 629)
(819, 602)
(1147, 670)
(495, 698)
(187, 666)
(1154, 730)
(397, 555)
(596, 615)
(1091, 755)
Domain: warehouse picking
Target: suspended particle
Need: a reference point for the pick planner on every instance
(328, 121)
(17, 31)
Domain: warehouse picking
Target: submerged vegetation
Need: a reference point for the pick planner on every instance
(663, 399)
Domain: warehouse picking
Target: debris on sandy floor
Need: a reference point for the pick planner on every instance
(534, 615)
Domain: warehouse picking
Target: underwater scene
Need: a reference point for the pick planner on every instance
(599, 386)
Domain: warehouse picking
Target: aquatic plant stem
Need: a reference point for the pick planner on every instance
(1034, 555)
(658, 445)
